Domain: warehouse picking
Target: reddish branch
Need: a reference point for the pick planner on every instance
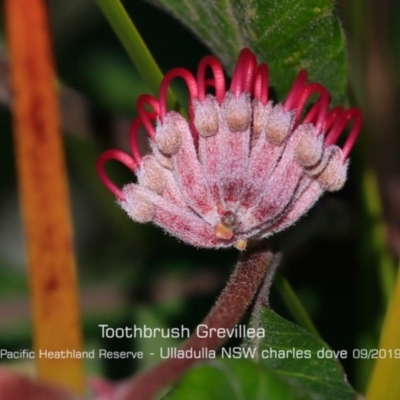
(241, 289)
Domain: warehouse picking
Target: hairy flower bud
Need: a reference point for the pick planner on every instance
(237, 112)
(151, 174)
(310, 147)
(168, 134)
(279, 125)
(206, 117)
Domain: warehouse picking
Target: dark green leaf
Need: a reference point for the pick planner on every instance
(225, 379)
(293, 353)
(287, 34)
(292, 365)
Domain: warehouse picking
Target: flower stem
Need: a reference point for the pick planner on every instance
(234, 300)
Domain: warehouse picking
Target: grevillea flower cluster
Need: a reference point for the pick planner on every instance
(241, 167)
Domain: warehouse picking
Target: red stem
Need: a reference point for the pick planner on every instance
(234, 300)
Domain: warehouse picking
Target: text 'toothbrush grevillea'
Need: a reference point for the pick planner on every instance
(242, 167)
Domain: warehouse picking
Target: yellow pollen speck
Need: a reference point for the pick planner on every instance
(223, 232)
(241, 245)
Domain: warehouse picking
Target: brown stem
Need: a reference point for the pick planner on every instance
(226, 313)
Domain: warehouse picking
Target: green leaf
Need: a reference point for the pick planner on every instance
(302, 357)
(224, 379)
(384, 382)
(289, 35)
(292, 365)
(134, 44)
(294, 305)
